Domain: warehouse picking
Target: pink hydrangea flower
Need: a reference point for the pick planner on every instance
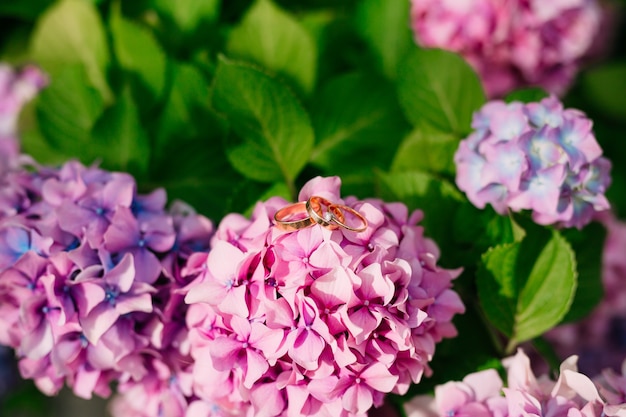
(537, 156)
(481, 394)
(511, 44)
(314, 321)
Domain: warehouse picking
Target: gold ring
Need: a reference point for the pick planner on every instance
(314, 208)
(284, 217)
(337, 213)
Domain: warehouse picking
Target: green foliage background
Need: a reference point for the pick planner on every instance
(225, 102)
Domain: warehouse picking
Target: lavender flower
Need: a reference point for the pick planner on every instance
(537, 157)
(511, 44)
(89, 274)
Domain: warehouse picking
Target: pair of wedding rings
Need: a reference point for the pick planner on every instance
(321, 211)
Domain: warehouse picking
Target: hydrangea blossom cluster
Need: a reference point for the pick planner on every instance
(480, 394)
(511, 44)
(537, 156)
(16, 89)
(315, 321)
(600, 339)
(89, 277)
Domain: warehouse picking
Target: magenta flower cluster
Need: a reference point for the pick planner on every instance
(315, 321)
(481, 394)
(511, 44)
(89, 277)
(537, 156)
(16, 89)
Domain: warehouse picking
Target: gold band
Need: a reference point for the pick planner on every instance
(337, 212)
(284, 217)
(314, 206)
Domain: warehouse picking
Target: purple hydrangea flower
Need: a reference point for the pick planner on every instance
(90, 275)
(511, 44)
(537, 157)
(315, 322)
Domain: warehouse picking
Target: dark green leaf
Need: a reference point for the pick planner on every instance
(138, 52)
(122, 141)
(358, 125)
(273, 134)
(272, 38)
(384, 24)
(439, 87)
(185, 106)
(600, 85)
(24, 9)
(588, 244)
(188, 158)
(527, 287)
(527, 95)
(71, 32)
(437, 198)
(427, 149)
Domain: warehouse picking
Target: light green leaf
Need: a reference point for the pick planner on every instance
(273, 134)
(439, 87)
(121, 138)
(67, 111)
(274, 39)
(358, 125)
(527, 287)
(384, 24)
(427, 149)
(138, 52)
(189, 14)
(71, 32)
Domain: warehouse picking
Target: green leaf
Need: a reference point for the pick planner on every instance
(185, 106)
(24, 9)
(273, 134)
(437, 198)
(588, 244)
(189, 14)
(384, 24)
(188, 157)
(358, 125)
(427, 149)
(138, 52)
(67, 111)
(122, 141)
(439, 87)
(600, 86)
(527, 287)
(71, 32)
(272, 38)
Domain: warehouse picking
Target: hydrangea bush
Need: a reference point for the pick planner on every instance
(146, 149)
